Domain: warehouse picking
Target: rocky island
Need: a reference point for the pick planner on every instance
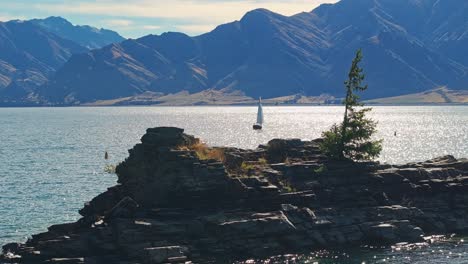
(179, 201)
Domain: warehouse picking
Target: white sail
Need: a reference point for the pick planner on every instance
(260, 113)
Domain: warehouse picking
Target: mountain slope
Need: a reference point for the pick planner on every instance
(406, 46)
(127, 68)
(232, 56)
(28, 56)
(397, 60)
(86, 36)
(273, 53)
(31, 53)
(436, 96)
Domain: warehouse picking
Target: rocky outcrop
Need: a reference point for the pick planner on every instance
(171, 206)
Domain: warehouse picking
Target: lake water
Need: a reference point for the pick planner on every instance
(450, 250)
(52, 159)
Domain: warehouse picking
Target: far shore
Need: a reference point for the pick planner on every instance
(440, 96)
(224, 105)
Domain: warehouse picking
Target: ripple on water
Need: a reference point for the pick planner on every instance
(453, 250)
(51, 159)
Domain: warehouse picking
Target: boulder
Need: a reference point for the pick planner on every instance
(167, 137)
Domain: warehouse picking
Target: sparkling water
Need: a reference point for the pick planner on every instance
(52, 159)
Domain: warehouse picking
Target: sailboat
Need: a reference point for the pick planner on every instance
(259, 124)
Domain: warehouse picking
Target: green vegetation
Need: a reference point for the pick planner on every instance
(321, 170)
(352, 138)
(247, 166)
(287, 187)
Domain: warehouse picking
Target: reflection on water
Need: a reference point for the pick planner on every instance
(454, 250)
(52, 159)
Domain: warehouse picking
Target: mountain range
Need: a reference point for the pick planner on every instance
(409, 46)
(87, 36)
(31, 52)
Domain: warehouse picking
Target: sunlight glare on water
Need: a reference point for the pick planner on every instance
(52, 159)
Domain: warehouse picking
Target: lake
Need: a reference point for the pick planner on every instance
(52, 159)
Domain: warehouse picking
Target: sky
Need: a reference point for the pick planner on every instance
(136, 18)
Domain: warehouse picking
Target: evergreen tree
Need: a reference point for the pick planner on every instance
(352, 138)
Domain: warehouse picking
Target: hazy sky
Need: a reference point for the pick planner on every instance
(135, 18)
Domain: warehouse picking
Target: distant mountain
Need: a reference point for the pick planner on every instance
(86, 36)
(409, 46)
(31, 53)
(436, 96)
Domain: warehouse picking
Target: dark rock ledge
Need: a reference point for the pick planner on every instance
(171, 207)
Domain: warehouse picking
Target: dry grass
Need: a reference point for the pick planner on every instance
(206, 153)
(263, 161)
(439, 95)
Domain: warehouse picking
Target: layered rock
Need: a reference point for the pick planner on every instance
(173, 205)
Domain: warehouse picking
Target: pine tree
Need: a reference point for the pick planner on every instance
(352, 138)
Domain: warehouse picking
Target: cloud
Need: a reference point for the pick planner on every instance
(118, 22)
(203, 10)
(151, 27)
(136, 17)
(6, 17)
(126, 25)
(194, 29)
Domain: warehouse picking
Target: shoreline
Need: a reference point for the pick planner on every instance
(232, 105)
(181, 201)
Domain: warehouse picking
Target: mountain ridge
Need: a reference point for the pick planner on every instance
(87, 36)
(30, 53)
(271, 55)
(406, 50)
(24, 66)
